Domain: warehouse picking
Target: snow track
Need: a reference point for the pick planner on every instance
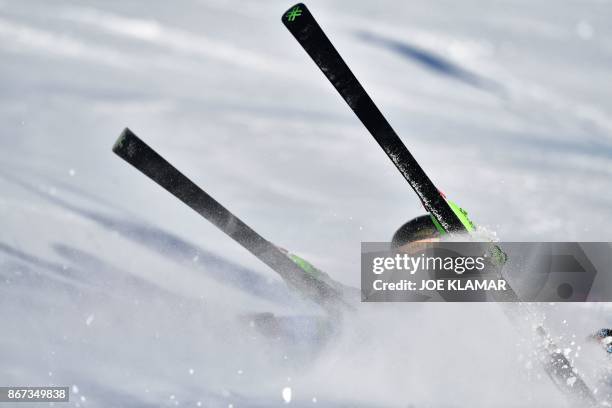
(109, 284)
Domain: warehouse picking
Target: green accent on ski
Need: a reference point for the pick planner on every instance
(293, 13)
(460, 213)
(439, 227)
(498, 256)
(306, 266)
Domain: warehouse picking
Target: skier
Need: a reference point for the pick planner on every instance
(421, 228)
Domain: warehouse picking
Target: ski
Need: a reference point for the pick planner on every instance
(311, 37)
(447, 216)
(296, 272)
(561, 372)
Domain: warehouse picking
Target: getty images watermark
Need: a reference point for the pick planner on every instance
(484, 271)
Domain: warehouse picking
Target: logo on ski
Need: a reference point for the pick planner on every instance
(293, 13)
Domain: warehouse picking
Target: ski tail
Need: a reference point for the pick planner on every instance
(137, 153)
(312, 38)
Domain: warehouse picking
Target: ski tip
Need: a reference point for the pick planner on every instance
(294, 14)
(125, 139)
(121, 140)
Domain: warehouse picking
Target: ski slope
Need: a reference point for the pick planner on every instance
(114, 288)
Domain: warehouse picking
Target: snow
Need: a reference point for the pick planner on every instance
(89, 320)
(506, 105)
(287, 393)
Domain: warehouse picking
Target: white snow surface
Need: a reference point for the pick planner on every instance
(112, 287)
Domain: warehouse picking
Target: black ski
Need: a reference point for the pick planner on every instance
(311, 37)
(132, 149)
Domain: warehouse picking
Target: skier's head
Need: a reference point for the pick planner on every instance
(418, 229)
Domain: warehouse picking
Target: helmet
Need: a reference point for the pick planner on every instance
(416, 229)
